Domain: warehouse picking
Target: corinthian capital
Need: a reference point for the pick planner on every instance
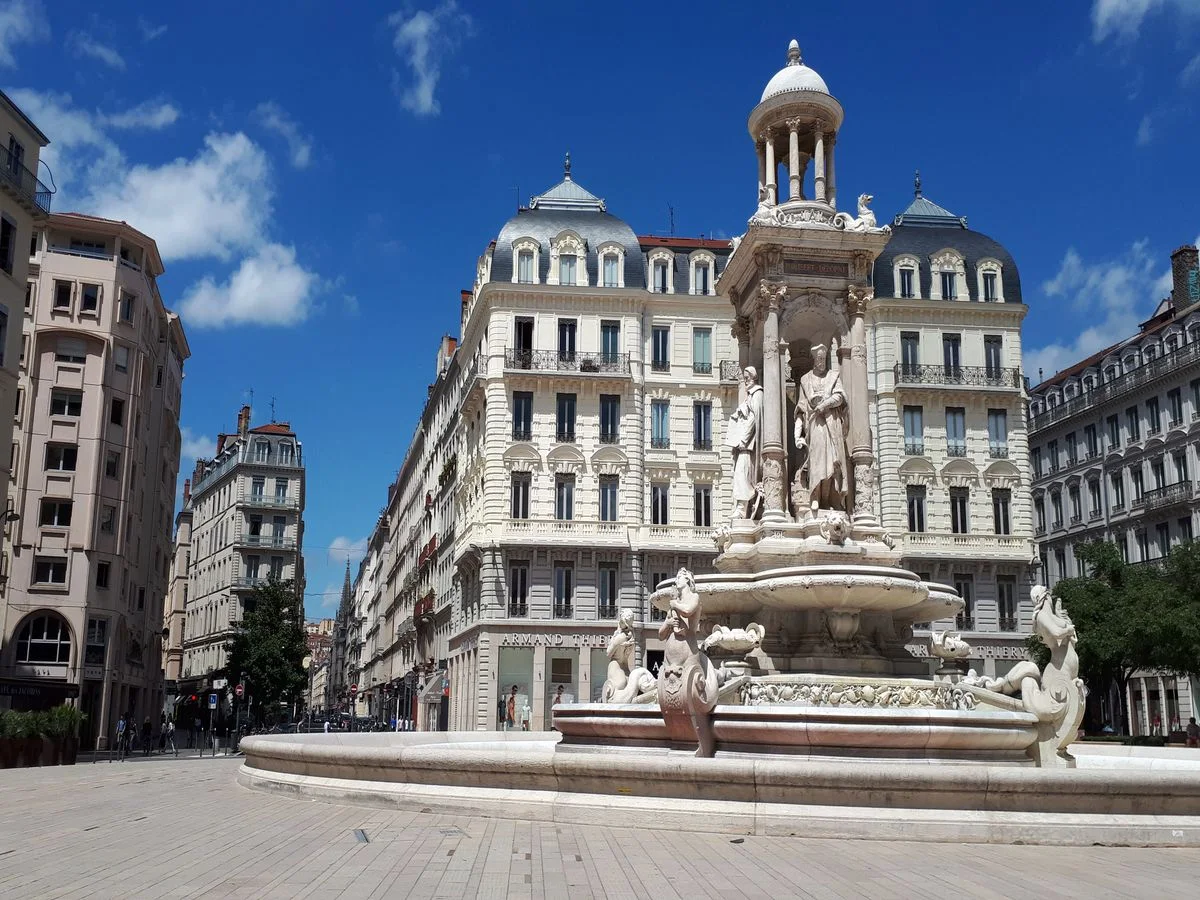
(857, 298)
(794, 124)
(772, 293)
(741, 328)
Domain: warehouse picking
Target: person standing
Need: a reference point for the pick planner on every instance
(122, 729)
(147, 731)
(744, 441)
(169, 737)
(1193, 733)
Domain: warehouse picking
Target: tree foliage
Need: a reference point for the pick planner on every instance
(268, 650)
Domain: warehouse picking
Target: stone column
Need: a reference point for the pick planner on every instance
(537, 691)
(772, 196)
(795, 173)
(741, 333)
(831, 182)
(1164, 714)
(774, 454)
(761, 150)
(804, 160)
(819, 160)
(855, 375)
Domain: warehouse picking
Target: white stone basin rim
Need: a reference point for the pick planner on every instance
(833, 586)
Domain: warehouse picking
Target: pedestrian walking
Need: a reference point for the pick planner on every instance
(147, 731)
(327, 726)
(169, 737)
(1193, 733)
(122, 736)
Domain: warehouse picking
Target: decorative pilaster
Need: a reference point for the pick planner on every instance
(774, 454)
(795, 173)
(831, 182)
(769, 140)
(819, 159)
(865, 479)
(761, 150)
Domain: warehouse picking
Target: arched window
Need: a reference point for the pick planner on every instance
(44, 640)
(662, 271)
(526, 256)
(568, 260)
(286, 452)
(612, 264)
(949, 280)
(906, 275)
(702, 268)
(990, 288)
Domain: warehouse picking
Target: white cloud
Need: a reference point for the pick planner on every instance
(1113, 294)
(83, 44)
(268, 288)
(1191, 72)
(153, 115)
(21, 22)
(423, 40)
(344, 549)
(150, 31)
(211, 205)
(1145, 132)
(194, 446)
(1123, 18)
(270, 115)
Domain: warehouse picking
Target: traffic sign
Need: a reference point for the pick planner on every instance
(240, 690)
(354, 688)
(212, 701)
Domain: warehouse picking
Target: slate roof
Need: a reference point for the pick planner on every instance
(922, 230)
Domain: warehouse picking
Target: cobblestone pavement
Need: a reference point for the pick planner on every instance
(184, 828)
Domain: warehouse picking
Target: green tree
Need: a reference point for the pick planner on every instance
(269, 648)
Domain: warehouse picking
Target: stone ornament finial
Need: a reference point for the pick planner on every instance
(567, 167)
(917, 184)
(793, 58)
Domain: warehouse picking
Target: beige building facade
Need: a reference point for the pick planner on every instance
(96, 464)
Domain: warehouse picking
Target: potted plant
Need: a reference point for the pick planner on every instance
(23, 726)
(9, 748)
(62, 729)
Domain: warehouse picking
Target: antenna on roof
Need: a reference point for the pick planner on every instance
(251, 393)
(272, 409)
(671, 210)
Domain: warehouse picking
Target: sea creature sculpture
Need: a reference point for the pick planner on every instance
(687, 680)
(624, 683)
(865, 220)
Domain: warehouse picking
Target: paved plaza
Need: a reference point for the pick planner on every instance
(183, 828)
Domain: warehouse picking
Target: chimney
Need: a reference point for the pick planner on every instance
(243, 421)
(1185, 276)
(221, 443)
(187, 490)
(198, 471)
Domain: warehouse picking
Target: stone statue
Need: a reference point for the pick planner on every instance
(734, 640)
(1056, 694)
(821, 403)
(947, 645)
(835, 527)
(865, 220)
(624, 683)
(687, 681)
(743, 437)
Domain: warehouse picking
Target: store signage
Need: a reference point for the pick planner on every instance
(545, 639)
(816, 267)
(978, 651)
(96, 673)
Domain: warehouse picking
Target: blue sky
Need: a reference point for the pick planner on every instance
(322, 177)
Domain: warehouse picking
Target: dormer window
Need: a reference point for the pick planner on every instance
(660, 277)
(526, 255)
(906, 277)
(568, 255)
(566, 269)
(949, 289)
(610, 270)
(612, 264)
(989, 287)
(906, 282)
(525, 267)
(702, 278)
(262, 451)
(662, 265)
(949, 276)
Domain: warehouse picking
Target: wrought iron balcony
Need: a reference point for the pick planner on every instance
(1008, 623)
(1169, 495)
(998, 451)
(518, 610)
(701, 368)
(1175, 423)
(1039, 530)
(522, 434)
(914, 448)
(660, 365)
(565, 437)
(268, 541)
(702, 444)
(562, 361)
(563, 610)
(955, 449)
(23, 182)
(730, 370)
(606, 611)
(1076, 519)
(610, 437)
(979, 376)
(270, 500)
(965, 623)
(1093, 514)
(660, 443)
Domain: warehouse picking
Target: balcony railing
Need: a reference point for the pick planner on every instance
(610, 437)
(660, 443)
(561, 361)
(914, 448)
(701, 368)
(1118, 387)
(563, 610)
(660, 365)
(565, 437)
(1058, 523)
(1039, 530)
(22, 181)
(270, 500)
(265, 540)
(1169, 495)
(1008, 623)
(1076, 519)
(1175, 423)
(518, 610)
(965, 623)
(522, 434)
(702, 444)
(956, 449)
(1118, 507)
(606, 611)
(1093, 514)
(981, 376)
(730, 370)
(998, 451)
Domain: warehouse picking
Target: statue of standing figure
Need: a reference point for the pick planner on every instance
(820, 432)
(743, 437)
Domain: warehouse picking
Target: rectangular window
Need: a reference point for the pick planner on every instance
(1118, 490)
(1162, 538)
(1185, 529)
(62, 294)
(30, 292)
(1060, 561)
(1039, 509)
(1056, 507)
(965, 585)
(522, 415)
(952, 356)
(1093, 442)
(70, 350)
(1123, 546)
(519, 507)
(1072, 449)
(518, 589)
(910, 352)
(1035, 460)
(949, 285)
(1093, 499)
(993, 355)
(989, 287)
(566, 268)
(956, 431)
(610, 341)
(523, 340)
(608, 497)
(1114, 432)
(702, 426)
(660, 424)
(565, 418)
(659, 499)
(656, 578)
(1133, 424)
(661, 274)
(525, 267)
(64, 402)
(566, 340)
(610, 270)
(116, 413)
(55, 513)
(128, 302)
(660, 348)
(610, 418)
(702, 278)
(50, 570)
(95, 650)
(1175, 405)
(257, 486)
(108, 519)
(61, 457)
(1006, 602)
(906, 283)
(960, 510)
(916, 507)
(1154, 415)
(281, 488)
(564, 590)
(1159, 473)
(1179, 457)
(8, 244)
(998, 433)
(89, 297)
(1001, 503)
(702, 497)
(564, 497)
(914, 431)
(1135, 475)
(121, 358)
(702, 351)
(607, 590)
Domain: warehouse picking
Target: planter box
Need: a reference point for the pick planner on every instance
(9, 753)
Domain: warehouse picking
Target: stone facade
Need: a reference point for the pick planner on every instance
(1115, 453)
(97, 455)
